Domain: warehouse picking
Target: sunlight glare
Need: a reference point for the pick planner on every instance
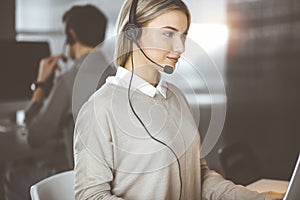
(209, 36)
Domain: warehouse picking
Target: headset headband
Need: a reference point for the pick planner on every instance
(132, 30)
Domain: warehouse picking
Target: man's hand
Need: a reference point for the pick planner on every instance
(47, 67)
(274, 196)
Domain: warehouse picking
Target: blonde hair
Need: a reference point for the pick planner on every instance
(147, 10)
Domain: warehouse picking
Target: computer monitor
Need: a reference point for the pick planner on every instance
(293, 190)
(19, 62)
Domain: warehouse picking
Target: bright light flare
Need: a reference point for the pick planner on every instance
(209, 36)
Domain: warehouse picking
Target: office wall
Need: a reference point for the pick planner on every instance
(42, 19)
(7, 31)
(263, 81)
(7, 19)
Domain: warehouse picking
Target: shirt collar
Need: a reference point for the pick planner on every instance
(122, 78)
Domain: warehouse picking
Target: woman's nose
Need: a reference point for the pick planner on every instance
(178, 45)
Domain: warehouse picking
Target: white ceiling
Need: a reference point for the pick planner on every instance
(43, 15)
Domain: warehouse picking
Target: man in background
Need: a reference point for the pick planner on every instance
(49, 119)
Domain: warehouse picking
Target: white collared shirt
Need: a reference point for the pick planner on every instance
(122, 78)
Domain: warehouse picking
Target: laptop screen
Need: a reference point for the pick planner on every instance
(19, 64)
(293, 191)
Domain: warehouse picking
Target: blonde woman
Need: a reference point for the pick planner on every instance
(136, 138)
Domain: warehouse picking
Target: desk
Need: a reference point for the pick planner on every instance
(14, 146)
(265, 185)
(13, 143)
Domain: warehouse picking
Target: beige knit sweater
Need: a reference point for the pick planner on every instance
(115, 158)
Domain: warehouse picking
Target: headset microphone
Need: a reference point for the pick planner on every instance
(133, 32)
(63, 55)
(64, 58)
(69, 41)
(167, 69)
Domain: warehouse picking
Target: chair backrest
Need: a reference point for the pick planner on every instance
(239, 162)
(68, 130)
(59, 186)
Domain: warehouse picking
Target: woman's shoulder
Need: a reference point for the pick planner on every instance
(94, 109)
(171, 86)
(102, 99)
(173, 90)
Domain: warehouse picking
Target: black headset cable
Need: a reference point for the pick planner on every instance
(142, 123)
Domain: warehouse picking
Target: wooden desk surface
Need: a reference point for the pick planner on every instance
(265, 185)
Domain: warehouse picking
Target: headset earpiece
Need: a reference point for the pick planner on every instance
(69, 39)
(132, 32)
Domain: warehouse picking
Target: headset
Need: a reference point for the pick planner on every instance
(69, 41)
(64, 57)
(133, 32)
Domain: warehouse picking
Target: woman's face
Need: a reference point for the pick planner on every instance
(163, 38)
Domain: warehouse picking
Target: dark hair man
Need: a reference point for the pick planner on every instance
(50, 112)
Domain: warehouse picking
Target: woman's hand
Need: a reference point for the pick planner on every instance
(274, 195)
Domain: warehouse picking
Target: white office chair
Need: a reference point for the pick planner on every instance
(56, 187)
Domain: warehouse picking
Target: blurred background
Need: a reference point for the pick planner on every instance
(253, 43)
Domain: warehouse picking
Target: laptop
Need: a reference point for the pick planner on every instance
(293, 190)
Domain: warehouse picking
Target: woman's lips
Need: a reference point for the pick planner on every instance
(173, 59)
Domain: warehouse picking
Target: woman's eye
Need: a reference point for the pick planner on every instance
(168, 34)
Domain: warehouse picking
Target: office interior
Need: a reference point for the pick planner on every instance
(251, 87)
